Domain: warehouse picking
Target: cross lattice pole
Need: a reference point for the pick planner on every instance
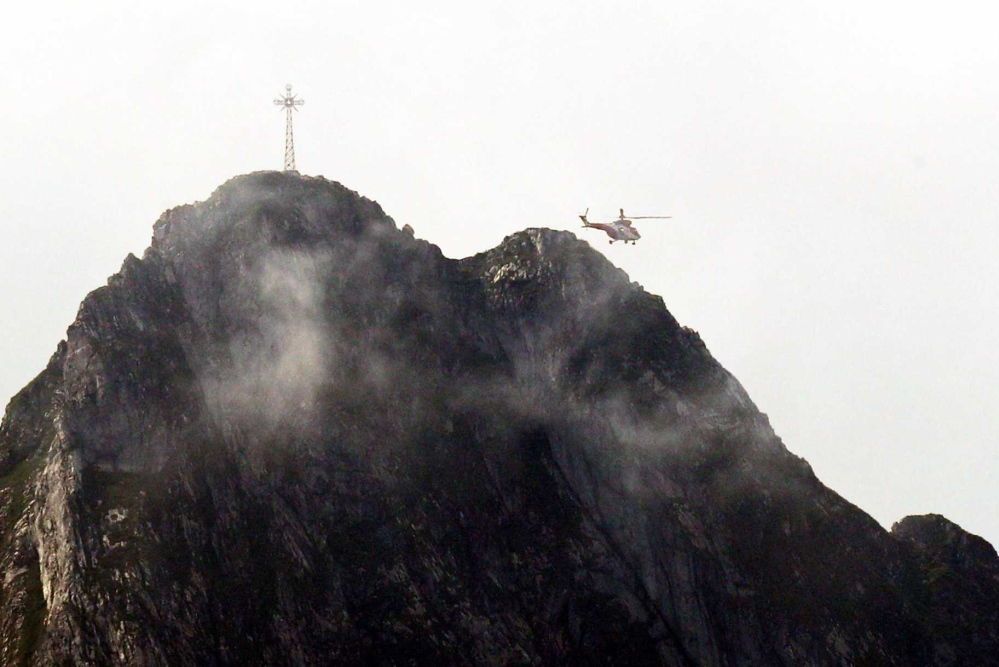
(290, 103)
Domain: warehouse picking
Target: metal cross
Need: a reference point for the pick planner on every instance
(290, 103)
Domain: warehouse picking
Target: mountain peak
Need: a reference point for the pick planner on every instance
(269, 206)
(291, 433)
(946, 542)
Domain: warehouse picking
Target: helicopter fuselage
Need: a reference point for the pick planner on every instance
(617, 231)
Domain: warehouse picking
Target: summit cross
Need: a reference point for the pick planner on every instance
(290, 103)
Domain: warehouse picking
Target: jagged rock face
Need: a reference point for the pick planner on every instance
(293, 434)
(944, 542)
(958, 593)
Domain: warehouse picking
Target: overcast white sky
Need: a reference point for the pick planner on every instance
(833, 170)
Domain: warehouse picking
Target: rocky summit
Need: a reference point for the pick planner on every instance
(294, 434)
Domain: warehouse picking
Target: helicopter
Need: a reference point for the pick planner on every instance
(620, 229)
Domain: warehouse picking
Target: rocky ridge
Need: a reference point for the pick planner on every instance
(293, 434)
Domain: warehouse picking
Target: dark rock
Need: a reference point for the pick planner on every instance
(294, 434)
(947, 543)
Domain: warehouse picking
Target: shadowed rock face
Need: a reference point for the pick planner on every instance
(293, 434)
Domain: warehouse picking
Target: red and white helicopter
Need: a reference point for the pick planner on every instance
(621, 229)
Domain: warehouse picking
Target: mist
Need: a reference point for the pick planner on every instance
(830, 170)
(274, 372)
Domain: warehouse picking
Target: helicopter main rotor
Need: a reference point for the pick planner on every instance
(622, 216)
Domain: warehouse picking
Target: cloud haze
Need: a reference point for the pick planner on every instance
(831, 170)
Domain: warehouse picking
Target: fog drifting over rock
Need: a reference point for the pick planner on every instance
(831, 171)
